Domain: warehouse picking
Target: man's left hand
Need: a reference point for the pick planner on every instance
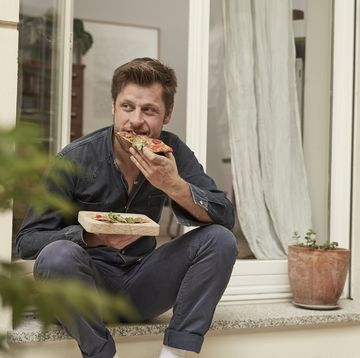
(160, 171)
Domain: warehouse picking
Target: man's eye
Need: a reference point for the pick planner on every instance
(126, 107)
(149, 110)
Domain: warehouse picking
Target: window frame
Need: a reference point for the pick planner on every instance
(8, 32)
(355, 227)
(254, 280)
(8, 24)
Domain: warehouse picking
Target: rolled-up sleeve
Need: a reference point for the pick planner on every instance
(214, 202)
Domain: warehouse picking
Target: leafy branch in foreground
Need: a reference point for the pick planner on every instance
(52, 299)
(23, 164)
(58, 298)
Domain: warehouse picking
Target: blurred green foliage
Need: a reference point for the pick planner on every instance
(23, 163)
(57, 298)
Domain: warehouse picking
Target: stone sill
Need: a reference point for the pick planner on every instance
(238, 317)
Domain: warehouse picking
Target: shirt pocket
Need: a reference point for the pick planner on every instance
(91, 206)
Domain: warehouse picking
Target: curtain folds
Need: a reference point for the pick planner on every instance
(270, 185)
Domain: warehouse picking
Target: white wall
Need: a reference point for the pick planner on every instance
(299, 5)
(171, 17)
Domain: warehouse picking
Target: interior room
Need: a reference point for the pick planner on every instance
(105, 37)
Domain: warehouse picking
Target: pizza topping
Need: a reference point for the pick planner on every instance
(140, 141)
(117, 218)
(139, 144)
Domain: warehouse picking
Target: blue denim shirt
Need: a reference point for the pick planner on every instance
(100, 186)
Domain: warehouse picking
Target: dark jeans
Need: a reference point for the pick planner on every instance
(189, 273)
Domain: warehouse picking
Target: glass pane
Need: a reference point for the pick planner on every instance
(218, 163)
(38, 75)
(313, 106)
(38, 67)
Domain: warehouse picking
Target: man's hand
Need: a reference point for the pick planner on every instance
(115, 241)
(160, 171)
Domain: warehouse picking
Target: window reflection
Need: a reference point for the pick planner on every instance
(38, 68)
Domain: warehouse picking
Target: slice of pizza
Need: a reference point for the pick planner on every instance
(140, 141)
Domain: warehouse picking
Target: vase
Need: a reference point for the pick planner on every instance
(317, 276)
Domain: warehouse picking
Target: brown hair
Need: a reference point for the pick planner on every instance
(145, 72)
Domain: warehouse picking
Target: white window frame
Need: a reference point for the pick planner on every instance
(257, 280)
(9, 19)
(65, 71)
(355, 227)
(252, 280)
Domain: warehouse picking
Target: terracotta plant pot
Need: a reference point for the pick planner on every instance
(317, 276)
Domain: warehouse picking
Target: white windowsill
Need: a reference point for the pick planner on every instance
(238, 317)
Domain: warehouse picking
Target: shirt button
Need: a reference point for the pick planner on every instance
(122, 252)
(201, 202)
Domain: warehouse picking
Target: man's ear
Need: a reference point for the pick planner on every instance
(168, 117)
(113, 108)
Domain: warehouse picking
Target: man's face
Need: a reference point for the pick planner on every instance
(140, 109)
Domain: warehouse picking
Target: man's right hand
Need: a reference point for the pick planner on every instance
(115, 241)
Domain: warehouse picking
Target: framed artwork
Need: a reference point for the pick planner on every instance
(114, 44)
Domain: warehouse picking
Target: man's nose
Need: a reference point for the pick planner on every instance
(136, 117)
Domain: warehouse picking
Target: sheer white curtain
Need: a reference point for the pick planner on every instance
(264, 127)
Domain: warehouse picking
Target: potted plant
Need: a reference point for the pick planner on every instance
(317, 272)
(83, 40)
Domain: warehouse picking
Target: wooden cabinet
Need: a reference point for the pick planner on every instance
(77, 101)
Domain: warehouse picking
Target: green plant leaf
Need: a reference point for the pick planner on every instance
(310, 241)
(23, 164)
(58, 298)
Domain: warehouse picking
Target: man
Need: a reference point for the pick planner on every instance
(188, 273)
